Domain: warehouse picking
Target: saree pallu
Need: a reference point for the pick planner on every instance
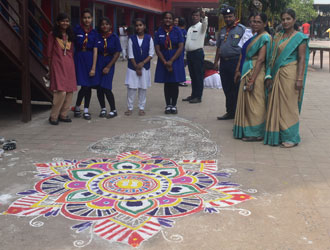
(284, 101)
(251, 105)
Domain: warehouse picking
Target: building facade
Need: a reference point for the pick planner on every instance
(127, 10)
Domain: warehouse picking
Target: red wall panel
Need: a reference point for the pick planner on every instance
(196, 1)
(148, 5)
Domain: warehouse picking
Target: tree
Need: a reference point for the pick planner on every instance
(304, 9)
(275, 7)
(272, 8)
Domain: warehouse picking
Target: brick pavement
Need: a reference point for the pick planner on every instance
(291, 209)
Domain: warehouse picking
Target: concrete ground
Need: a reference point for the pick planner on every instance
(291, 187)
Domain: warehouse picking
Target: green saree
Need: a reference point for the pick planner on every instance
(251, 106)
(284, 101)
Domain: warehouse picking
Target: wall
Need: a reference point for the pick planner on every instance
(157, 6)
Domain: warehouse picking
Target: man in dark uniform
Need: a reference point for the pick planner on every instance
(228, 52)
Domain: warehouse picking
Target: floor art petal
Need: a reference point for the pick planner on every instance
(129, 198)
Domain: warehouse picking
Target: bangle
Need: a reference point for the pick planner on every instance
(299, 79)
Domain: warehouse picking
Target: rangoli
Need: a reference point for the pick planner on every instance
(130, 198)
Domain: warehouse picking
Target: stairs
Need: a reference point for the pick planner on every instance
(22, 53)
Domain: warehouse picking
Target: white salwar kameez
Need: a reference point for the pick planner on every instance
(135, 82)
(123, 38)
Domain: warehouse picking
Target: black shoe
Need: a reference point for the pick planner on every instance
(53, 122)
(77, 113)
(103, 113)
(187, 99)
(183, 84)
(226, 116)
(174, 110)
(87, 116)
(168, 110)
(112, 114)
(195, 100)
(66, 119)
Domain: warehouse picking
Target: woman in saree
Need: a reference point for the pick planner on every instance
(286, 84)
(249, 123)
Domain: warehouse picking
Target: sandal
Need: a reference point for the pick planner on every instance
(128, 112)
(103, 113)
(53, 122)
(141, 112)
(288, 145)
(64, 119)
(87, 116)
(252, 138)
(9, 145)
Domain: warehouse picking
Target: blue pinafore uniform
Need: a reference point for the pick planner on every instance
(107, 47)
(85, 42)
(178, 74)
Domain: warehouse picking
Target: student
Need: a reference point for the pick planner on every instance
(140, 52)
(170, 64)
(176, 21)
(62, 70)
(108, 53)
(123, 38)
(85, 58)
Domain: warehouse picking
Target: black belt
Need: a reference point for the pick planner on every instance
(229, 58)
(196, 50)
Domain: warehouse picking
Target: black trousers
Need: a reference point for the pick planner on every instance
(101, 92)
(227, 73)
(171, 92)
(84, 92)
(195, 61)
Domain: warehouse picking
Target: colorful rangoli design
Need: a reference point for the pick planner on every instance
(130, 198)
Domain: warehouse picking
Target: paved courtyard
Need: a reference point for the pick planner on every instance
(251, 197)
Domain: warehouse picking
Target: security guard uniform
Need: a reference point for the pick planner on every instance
(229, 55)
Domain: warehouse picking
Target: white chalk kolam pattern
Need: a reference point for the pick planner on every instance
(176, 139)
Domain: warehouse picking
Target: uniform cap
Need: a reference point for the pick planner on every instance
(228, 10)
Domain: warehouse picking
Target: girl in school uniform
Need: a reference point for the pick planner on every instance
(62, 70)
(108, 53)
(170, 64)
(140, 52)
(85, 58)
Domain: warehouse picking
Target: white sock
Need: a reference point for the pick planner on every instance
(104, 109)
(85, 110)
